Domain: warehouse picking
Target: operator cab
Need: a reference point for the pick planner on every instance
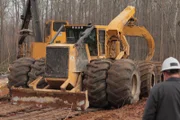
(73, 33)
(51, 28)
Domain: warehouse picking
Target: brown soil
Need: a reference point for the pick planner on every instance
(9, 111)
(29, 112)
(128, 112)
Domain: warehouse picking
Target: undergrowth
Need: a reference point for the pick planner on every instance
(4, 67)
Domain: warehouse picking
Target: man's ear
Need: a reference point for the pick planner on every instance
(162, 77)
(179, 74)
(165, 74)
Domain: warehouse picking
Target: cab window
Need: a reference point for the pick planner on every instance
(92, 43)
(74, 33)
(57, 25)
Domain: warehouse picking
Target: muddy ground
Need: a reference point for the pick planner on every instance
(9, 111)
(128, 112)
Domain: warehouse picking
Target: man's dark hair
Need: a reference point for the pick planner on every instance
(173, 71)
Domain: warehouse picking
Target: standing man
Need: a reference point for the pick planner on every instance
(164, 99)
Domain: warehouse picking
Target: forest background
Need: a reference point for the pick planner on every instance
(160, 17)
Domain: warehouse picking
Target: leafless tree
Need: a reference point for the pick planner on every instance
(161, 18)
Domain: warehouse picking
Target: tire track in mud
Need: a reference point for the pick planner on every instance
(9, 111)
(127, 112)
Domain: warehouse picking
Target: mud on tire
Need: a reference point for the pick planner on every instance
(147, 76)
(123, 83)
(37, 69)
(95, 82)
(18, 76)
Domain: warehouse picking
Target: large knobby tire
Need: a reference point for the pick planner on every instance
(18, 76)
(37, 69)
(147, 76)
(95, 82)
(123, 83)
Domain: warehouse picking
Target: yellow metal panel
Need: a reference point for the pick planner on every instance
(125, 46)
(118, 22)
(38, 50)
(61, 38)
(101, 27)
(88, 53)
(115, 33)
(72, 58)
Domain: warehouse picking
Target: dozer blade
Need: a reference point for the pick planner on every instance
(55, 98)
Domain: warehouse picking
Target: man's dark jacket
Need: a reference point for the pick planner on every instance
(164, 101)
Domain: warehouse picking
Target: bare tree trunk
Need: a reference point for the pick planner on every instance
(46, 11)
(2, 30)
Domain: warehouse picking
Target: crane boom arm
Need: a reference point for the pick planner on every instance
(26, 17)
(121, 26)
(115, 34)
(30, 12)
(117, 24)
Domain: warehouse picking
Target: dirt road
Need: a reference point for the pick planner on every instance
(9, 111)
(128, 112)
(29, 112)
